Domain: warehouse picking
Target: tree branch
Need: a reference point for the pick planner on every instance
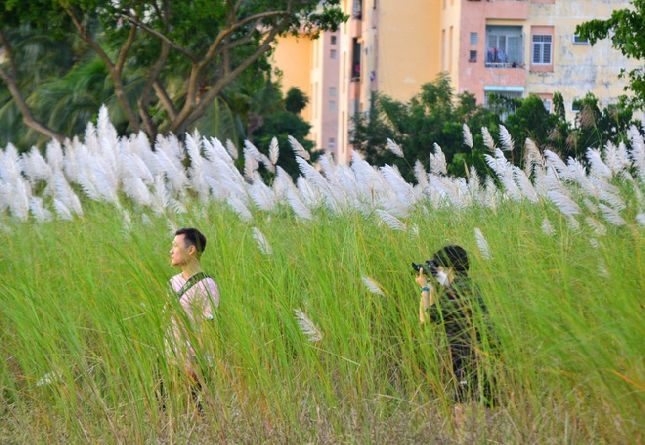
(158, 35)
(123, 52)
(86, 37)
(179, 126)
(115, 70)
(144, 99)
(212, 50)
(27, 116)
(165, 100)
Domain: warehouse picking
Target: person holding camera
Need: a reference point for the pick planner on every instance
(449, 298)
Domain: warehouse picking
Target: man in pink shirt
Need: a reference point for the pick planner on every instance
(196, 292)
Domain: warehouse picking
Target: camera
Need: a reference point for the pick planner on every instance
(428, 267)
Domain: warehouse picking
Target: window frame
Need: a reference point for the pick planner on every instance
(542, 45)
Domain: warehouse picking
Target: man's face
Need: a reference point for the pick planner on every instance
(180, 253)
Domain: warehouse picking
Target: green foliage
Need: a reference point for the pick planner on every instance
(296, 100)
(434, 115)
(431, 116)
(626, 29)
(282, 123)
(167, 64)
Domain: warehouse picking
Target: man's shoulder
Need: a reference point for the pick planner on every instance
(176, 281)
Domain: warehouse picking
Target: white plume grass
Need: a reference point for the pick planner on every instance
(308, 328)
(262, 242)
(482, 244)
(372, 285)
(394, 148)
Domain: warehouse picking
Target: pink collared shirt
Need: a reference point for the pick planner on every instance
(199, 302)
(202, 297)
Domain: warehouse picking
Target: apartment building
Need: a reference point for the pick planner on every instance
(521, 47)
(507, 47)
(313, 66)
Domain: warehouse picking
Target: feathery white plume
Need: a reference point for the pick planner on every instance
(532, 157)
(38, 209)
(598, 167)
(438, 164)
(468, 136)
(262, 242)
(308, 328)
(640, 219)
(482, 244)
(547, 227)
(612, 216)
(597, 227)
(373, 286)
(507, 140)
(420, 174)
(298, 207)
(564, 203)
(232, 149)
(274, 150)
(49, 378)
(391, 221)
(240, 208)
(488, 139)
(62, 211)
(394, 148)
(298, 149)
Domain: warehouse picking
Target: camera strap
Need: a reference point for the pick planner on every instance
(199, 276)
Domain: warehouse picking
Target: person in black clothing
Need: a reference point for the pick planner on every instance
(454, 302)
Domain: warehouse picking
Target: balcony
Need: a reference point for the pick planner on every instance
(504, 47)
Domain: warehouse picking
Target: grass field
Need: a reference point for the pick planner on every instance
(83, 321)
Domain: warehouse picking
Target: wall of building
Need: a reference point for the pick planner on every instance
(475, 76)
(406, 44)
(578, 68)
(408, 54)
(293, 56)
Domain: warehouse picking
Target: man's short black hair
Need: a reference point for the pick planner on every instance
(452, 256)
(193, 237)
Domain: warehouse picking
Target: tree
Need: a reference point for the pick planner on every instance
(166, 61)
(296, 100)
(434, 115)
(281, 121)
(626, 28)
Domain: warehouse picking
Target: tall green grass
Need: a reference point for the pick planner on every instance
(85, 303)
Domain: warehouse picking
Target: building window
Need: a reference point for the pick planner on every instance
(333, 53)
(443, 49)
(333, 105)
(333, 40)
(504, 47)
(474, 38)
(502, 100)
(332, 91)
(473, 56)
(547, 104)
(542, 48)
(356, 60)
(357, 9)
(577, 40)
(331, 143)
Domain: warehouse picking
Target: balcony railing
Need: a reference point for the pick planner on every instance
(504, 64)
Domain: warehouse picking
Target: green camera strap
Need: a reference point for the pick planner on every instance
(199, 276)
